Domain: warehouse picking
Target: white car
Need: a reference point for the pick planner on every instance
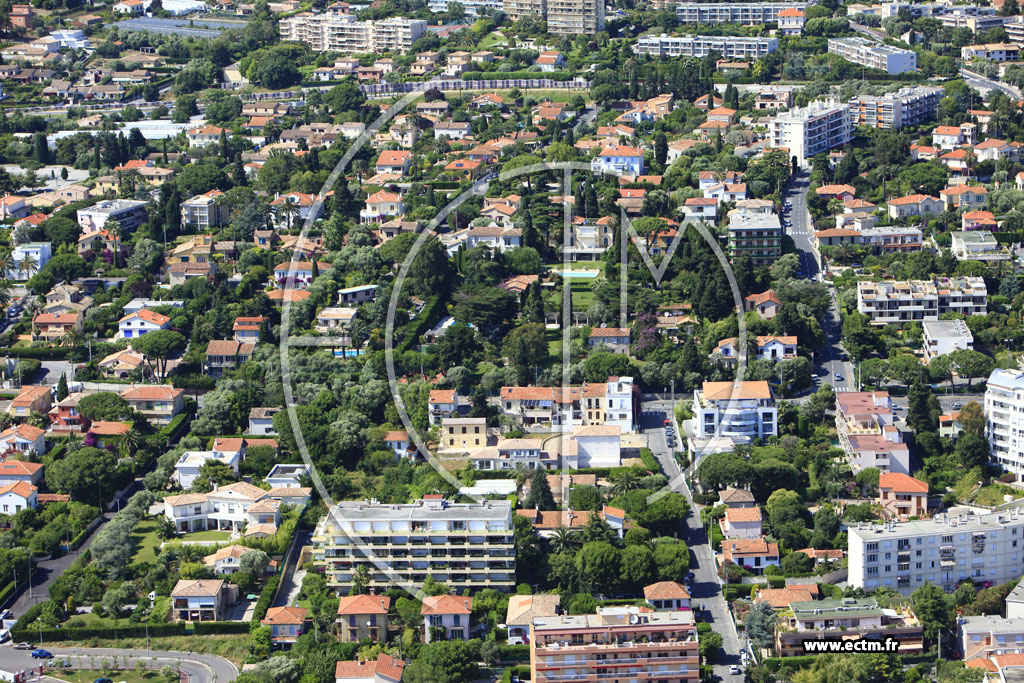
(735, 670)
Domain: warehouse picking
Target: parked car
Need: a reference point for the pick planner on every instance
(42, 654)
(735, 670)
(22, 646)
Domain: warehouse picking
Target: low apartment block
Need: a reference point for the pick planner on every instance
(942, 337)
(874, 55)
(987, 636)
(811, 130)
(903, 301)
(741, 411)
(627, 643)
(747, 13)
(729, 47)
(867, 433)
(204, 211)
(129, 213)
(846, 618)
(952, 547)
(905, 107)
(466, 545)
(611, 403)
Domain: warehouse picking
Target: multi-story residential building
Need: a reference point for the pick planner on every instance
(756, 235)
(874, 55)
(204, 211)
(636, 643)
(362, 617)
(942, 337)
(902, 496)
(729, 47)
(619, 159)
(134, 325)
(1004, 419)
(466, 545)
(338, 32)
(611, 403)
(446, 617)
(23, 438)
(922, 205)
(811, 130)
(54, 326)
(14, 471)
(844, 618)
(951, 547)
(615, 338)
(442, 403)
(517, 9)
(28, 259)
(201, 599)
(741, 523)
(30, 399)
(747, 13)
(463, 433)
(768, 348)
(186, 470)
(575, 17)
(129, 213)
(903, 301)
(742, 411)
(261, 421)
(226, 354)
(589, 239)
(472, 7)
(905, 107)
(994, 52)
(286, 624)
(867, 433)
(791, 21)
(753, 554)
(157, 403)
(384, 669)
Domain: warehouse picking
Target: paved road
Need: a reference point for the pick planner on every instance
(201, 668)
(291, 582)
(706, 588)
(828, 363)
(976, 80)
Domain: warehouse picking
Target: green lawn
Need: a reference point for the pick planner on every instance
(198, 536)
(491, 39)
(146, 542)
(554, 342)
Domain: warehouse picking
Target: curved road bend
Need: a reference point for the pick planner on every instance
(200, 668)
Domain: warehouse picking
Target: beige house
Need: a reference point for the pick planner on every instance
(362, 617)
(463, 433)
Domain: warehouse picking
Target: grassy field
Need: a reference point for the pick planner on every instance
(491, 39)
(553, 94)
(120, 675)
(146, 542)
(554, 342)
(232, 647)
(208, 535)
(992, 495)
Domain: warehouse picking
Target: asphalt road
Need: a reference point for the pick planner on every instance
(201, 668)
(976, 80)
(706, 589)
(828, 363)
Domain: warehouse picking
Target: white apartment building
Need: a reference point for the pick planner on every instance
(900, 301)
(1004, 419)
(517, 9)
(977, 245)
(953, 546)
(905, 107)
(205, 210)
(230, 508)
(942, 337)
(729, 47)
(733, 12)
(575, 17)
(186, 470)
(129, 213)
(466, 545)
(874, 55)
(741, 411)
(473, 7)
(337, 32)
(813, 129)
(609, 403)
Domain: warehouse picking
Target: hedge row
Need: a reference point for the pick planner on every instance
(423, 322)
(266, 598)
(78, 540)
(514, 653)
(6, 591)
(173, 429)
(220, 627)
(38, 353)
(32, 635)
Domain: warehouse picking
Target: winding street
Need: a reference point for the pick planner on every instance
(200, 668)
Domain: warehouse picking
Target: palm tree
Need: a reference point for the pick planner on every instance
(129, 443)
(564, 540)
(27, 265)
(522, 474)
(6, 262)
(625, 481)
(73, 442)
(114, 228)
(72, 338)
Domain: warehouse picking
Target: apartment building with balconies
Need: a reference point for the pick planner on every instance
(729, 47)
(339, 32)
(905, 107)
(575, 17)
(900, 301)
(874, 55)
(813, 129)
(626, 643)
(1004, 420)
(951, 547)
(465, 545)
(747, 13)
(741, 411)
(611, 403)
(205, 210)
(865, 426)
(756, 235)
